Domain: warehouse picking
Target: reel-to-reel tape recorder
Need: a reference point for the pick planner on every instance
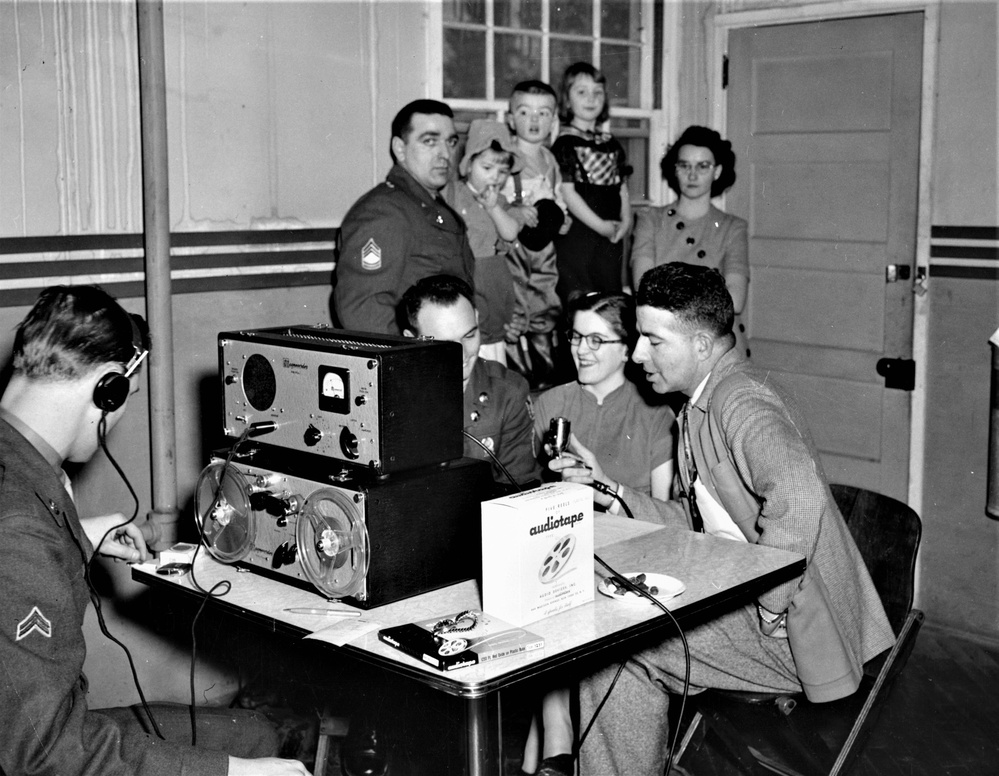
(349, 535)
(358, 488)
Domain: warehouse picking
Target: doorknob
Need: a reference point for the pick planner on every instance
(899, 373)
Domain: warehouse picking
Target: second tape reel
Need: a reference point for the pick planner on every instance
(370, 539)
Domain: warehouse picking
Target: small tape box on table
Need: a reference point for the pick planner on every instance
(537, 552)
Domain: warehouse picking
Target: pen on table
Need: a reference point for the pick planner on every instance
(325, 612)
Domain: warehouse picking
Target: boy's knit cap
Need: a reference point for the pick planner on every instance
(481, 134)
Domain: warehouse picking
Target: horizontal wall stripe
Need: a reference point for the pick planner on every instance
(964, 272)
(105, 278)
(95, 242)
(964, 252)
(278, 258)
(965, 233)
(138, 253)
(199, 261)
(130, 286)
(236, 262)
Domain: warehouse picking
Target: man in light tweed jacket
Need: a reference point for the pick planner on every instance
(748, 471)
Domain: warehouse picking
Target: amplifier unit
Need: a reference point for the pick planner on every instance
(372, 401)
(369, 539)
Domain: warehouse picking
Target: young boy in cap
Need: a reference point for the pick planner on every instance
(488, 160)
(532, 114)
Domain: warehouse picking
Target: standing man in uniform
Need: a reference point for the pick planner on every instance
(401, 230)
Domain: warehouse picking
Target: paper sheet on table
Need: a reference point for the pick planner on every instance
(344, 631)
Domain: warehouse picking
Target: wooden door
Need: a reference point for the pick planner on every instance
(824, 120)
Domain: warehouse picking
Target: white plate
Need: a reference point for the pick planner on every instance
(667, 587)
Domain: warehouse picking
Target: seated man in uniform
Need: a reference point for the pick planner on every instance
(497, 408)
(76, 358)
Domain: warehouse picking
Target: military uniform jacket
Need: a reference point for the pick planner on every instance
(393, 236)
(755, 456)
(498, 414)
(45, 723)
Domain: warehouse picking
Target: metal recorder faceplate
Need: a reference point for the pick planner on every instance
(374, 401)
(353, 535)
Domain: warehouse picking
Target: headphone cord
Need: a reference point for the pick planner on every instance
(218, 590)
(87, 563)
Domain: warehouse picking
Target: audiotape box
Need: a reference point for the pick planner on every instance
(537, 552)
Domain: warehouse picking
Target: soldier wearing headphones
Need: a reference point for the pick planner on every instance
(76, 359)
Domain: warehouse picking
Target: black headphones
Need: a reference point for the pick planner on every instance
(113, 388)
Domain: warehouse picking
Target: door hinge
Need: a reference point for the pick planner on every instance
(899, 373)
(724, 71)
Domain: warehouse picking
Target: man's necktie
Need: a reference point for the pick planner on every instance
(690, 467)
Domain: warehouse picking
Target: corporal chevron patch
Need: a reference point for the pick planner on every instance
(35, 621)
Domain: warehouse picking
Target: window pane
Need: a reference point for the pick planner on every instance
(574, 16)
(464, 64)
(464, 117)
(468, 11)
(519, 14)
(621, 66)
(518, 58)
(620, 19)
(564, 53)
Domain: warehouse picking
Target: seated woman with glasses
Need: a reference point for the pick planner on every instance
(698, 166)
(631, 441)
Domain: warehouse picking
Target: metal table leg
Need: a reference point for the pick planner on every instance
(484, 736)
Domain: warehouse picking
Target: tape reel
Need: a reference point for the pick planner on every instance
(222, 506)
(333, 543)
(556, 559)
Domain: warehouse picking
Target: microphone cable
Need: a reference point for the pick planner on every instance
(495, 460)
(602, 487)
(627, 583)
(596, 484)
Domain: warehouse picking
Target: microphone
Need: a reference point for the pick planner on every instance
(558, 436)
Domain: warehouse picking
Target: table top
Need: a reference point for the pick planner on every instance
(716, 572)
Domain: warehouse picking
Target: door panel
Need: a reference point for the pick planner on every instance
(786, 101)
(824, 120)
(850, 195)
(818, 308)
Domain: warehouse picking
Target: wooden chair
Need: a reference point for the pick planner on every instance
(785, 733)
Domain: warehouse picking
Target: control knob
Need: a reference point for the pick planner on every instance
(313, 436)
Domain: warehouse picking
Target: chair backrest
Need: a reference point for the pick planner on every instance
(887, 533)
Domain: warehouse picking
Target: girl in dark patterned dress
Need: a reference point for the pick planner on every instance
(594, 186)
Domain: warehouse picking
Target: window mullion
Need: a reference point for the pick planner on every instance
(546, 29)
(596, 35)
(490, 51)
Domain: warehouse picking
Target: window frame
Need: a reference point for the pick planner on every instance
(496, 106)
